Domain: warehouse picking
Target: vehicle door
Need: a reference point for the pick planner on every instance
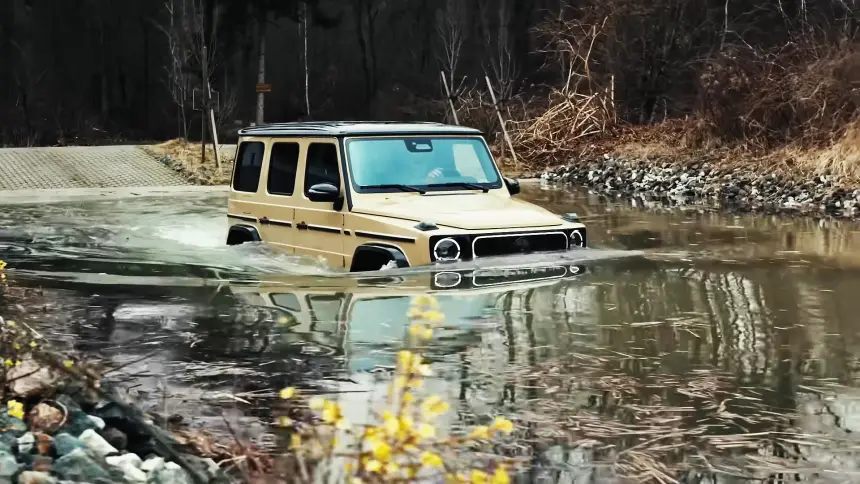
(243, 205)
(278, 213)
(319, 227)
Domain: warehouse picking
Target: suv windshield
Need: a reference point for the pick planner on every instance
(426, 163)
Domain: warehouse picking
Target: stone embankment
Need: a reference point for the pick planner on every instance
(706, 183)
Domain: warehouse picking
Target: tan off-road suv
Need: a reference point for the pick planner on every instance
(367, 196)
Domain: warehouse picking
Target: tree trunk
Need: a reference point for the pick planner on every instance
(305, 58)
(261, 69)
(362, 45)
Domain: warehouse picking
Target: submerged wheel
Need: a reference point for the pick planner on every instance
(240, 234)
(375, 257)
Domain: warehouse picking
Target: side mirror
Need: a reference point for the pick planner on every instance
(323, 192)
(513, 186)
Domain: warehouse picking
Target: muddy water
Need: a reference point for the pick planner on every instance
(731, 345)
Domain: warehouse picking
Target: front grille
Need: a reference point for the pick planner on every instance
(495, 245)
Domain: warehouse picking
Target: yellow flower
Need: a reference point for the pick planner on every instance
(424, 370)
(9, 363)
(408, 398)
(434, 316)
(504, 425)
(17, 346)
(33, 344)
(390, 424)
(373, 465)
(433, 406)
(480, 432)
(16, 408)
(478, 477)
(391, 467)
(285, 421)
(10, 323)
(424, 300)
(288, 393)
(500, 476)
(405, 359)
(68, 363)
(426, 431)
(430, 459)
(382, 451)
(295, 441)
(331, 413)
(420, 331)
(316, 403)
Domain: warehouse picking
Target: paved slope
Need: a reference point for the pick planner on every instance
(83, 167)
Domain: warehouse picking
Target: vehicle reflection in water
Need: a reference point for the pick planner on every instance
(727, 327)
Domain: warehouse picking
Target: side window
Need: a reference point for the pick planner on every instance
(287, 300)
(321, 166)
(249, 163)
(283, 163)
(324, 311)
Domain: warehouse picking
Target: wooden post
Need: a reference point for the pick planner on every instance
(205, 93)
(612, 98)
(450, 101)
(502, 122)
(214, 128)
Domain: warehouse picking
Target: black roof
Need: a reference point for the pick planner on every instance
(355, 128)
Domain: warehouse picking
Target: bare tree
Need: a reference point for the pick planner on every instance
(186, 34)
(261, 65)
(503, 67)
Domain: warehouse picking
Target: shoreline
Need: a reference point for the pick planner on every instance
(704, 183)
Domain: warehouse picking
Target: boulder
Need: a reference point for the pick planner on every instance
(78, 465)
(65, 443)
(33, 477)
(97, 443)
(31, 379)
(171, 473)
(45, 418)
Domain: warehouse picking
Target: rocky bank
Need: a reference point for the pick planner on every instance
(706, 183)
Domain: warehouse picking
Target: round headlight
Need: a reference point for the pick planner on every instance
(447, 249)
(577, 239)
(445, 280)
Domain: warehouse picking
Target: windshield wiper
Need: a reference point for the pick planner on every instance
(470, 186)
(402, 188)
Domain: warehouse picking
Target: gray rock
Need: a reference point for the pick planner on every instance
(171, 473)
(8, 465)
(79, 465)
(65, 443)
(129, 464)
(99, 423)
(33, 477)
(26, 443)
(97, 443)
(153, 464)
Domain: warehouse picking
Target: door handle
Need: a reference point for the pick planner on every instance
(302, 226)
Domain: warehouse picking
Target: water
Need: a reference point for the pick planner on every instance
(726, 343)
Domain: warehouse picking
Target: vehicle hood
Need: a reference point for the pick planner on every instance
(464, 211)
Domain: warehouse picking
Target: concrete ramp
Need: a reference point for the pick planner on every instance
(83, 167)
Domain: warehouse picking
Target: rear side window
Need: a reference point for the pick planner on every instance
(249, 163)
(283, 163)
(321, 166)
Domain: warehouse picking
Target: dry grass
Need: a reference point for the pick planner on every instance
(185, 157)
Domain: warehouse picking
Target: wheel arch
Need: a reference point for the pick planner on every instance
(378, 251)
(241, 233)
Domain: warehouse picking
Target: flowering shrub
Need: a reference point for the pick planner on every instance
(402, 444)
